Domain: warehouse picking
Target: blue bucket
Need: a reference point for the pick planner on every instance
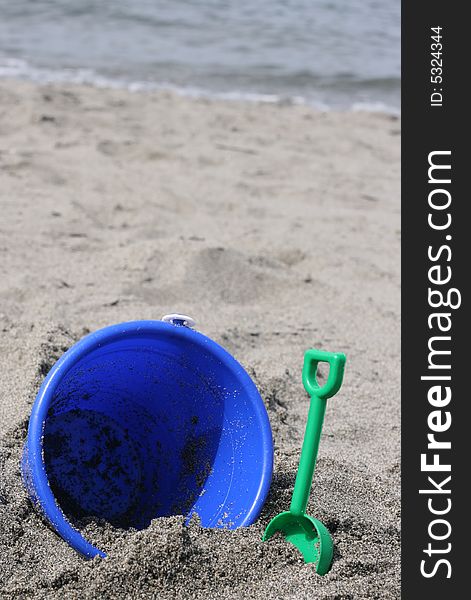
(147, 419)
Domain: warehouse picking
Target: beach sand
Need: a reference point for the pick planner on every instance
(277, 228)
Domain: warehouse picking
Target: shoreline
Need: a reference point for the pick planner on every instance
(20, 70)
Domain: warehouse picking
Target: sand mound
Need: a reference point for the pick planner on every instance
(171, 560)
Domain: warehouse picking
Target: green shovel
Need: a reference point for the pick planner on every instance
(309, 535)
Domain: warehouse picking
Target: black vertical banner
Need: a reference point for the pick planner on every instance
(436, 353)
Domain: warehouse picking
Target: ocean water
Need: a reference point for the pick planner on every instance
(329, 53)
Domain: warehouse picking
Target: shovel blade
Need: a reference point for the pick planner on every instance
(309, 536)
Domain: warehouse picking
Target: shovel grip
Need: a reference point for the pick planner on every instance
(336, 361)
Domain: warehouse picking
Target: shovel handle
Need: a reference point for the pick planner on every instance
(336, 361)
(315, 419)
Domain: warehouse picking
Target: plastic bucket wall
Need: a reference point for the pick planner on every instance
(147, 419)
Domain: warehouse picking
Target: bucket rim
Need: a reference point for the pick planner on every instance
(88, 344)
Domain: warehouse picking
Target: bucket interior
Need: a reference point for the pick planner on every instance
(153, 425)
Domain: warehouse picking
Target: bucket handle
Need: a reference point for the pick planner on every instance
(179, 320)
